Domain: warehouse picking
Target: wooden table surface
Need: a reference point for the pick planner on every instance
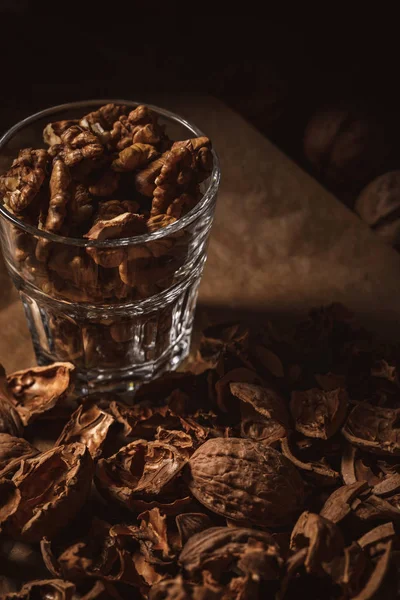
(280, 243)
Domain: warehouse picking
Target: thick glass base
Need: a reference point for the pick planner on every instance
(125, 381)
(114, 351)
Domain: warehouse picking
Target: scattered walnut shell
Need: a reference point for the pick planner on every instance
(56, 589)
(374, 429)
(12, 451)
(38, 390)
(220, 548)
(322, 538)
(88, 425)
(139, 472)
(264, 415)
(318, 413)
(47, 492)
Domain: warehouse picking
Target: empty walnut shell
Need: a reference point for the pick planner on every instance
(264, 414)
(318, 413)
(139, 472)
(374, 429)
(46, 589)
(39, 389)
(312, 463)
(322, 538)
(48, 491)
(179, 589)
(223, 549)
(89, 425)
(379, 206)
(98, 554)
(245, 481)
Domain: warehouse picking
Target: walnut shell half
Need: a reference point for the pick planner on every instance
(47, 492)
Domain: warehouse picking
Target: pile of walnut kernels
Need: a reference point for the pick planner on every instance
(112, 174)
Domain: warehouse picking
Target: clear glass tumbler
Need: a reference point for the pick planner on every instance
(118, 327)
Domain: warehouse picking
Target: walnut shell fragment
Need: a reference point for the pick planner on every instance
(23, 181)
(47, 589)
(374, 429)
(99, 554)
(264, 414)
(318, 413)
(138, 473)
(38, 390)
(12, 451)
(339, 503)
(245, 481)
(225, 550)
(48, 491)
(179, 589)
(315, 467)
(321, 537)
(10, 421)
(88, 425)
(348, 570)
(191, 523)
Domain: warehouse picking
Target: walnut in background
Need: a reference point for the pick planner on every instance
(379, 206)
(346, 148)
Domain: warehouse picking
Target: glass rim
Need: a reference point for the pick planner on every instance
(181, 223)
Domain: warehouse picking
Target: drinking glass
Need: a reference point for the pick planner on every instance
(118, 332)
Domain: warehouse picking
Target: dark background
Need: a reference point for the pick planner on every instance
(276, 71)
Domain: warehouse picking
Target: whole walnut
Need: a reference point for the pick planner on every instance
(346, 148)
(245, 481)
(379, 206)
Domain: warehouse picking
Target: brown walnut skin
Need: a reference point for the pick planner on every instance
(346, 148)
(245, 481)
(379, 206)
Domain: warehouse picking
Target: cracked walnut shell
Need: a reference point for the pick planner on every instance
(46, 492)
